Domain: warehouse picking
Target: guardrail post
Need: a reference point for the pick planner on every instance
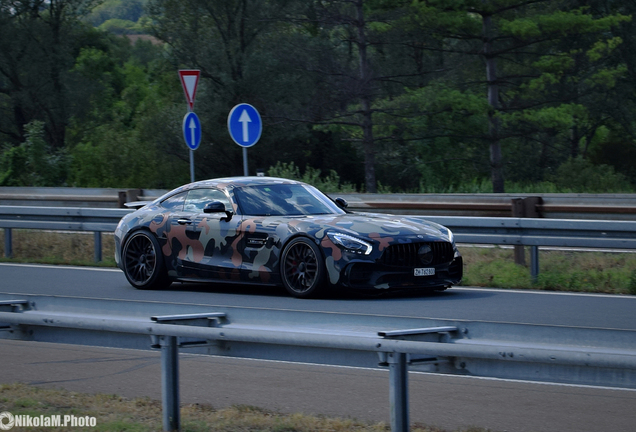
(399, 392)
(534, 263)
(170, 383)
(528, 207)
(518, 211)
(8, 243)
(98, 246)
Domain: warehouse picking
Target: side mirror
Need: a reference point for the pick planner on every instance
(214, 207)
(342, 203)
(217, 207)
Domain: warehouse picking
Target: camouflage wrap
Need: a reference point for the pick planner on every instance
(244, 248)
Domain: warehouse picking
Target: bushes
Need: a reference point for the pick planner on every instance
(581, 176)
(559, 271)
(327, 184)
(34, 162)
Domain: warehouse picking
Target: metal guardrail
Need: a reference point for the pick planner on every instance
(473, 230)
(591, 356)
(541, 232)
(553, 206)
(97, 220)
(74, 197)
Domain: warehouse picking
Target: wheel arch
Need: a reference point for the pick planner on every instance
(306, 236)
(300, 234)
(136, 230)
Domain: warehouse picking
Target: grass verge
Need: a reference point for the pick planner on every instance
(594, 272)
(115, 413)
(58, 247)
(603, 272)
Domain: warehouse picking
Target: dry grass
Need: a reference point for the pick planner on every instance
(605, 272)
(114, 413)
(56, 247)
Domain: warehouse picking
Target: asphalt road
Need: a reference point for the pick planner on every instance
(450, 402)
(532, 307)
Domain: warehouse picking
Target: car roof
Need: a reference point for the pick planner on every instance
(231, 183)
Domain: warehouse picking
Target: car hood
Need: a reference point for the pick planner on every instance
(367, 225)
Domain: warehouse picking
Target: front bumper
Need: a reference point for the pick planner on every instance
(367, 275)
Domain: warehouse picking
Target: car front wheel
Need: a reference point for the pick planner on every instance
(302, 268)
(143, 262)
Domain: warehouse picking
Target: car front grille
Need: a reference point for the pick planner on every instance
(406, 255)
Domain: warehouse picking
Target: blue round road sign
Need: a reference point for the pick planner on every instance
(244, 124)
(192, 130)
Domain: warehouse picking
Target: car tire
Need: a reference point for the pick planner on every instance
(143, 262)
(302, 268)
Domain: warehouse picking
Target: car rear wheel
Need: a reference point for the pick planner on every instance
(302, 268)
(143, 262)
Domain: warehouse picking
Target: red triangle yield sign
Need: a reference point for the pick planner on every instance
(189, 81)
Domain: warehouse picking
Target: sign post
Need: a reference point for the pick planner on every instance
(245, 127)
(191, 124)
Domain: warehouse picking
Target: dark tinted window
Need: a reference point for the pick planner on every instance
(281, 200)
(175, 202)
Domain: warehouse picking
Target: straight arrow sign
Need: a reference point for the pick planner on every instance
(245, 120)
(244, 124)
(192, 130)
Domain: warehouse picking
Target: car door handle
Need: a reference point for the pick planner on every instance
(184, 221)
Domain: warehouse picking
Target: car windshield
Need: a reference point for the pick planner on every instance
(284, 200)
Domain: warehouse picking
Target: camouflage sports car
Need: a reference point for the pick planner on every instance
(271, 231)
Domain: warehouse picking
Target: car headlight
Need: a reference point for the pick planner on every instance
(351, 243)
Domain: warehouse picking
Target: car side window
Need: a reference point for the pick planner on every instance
(175, 202)
(198, 198)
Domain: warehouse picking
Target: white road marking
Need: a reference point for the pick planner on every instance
(51, 266)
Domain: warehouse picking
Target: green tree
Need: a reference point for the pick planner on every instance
(127, 10)
(120, 141)
(356, 55)
(538, 56)
(38, 40)
(237, 46)
(34, 162)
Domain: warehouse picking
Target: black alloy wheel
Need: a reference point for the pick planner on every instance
(302, 268)
(143, 262)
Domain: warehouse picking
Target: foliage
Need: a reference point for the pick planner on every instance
(579, 175)
(128, 10)
(328, 184)
(382, 94)
(120, 26)
(37, 48)
(632, 283)
(610, 148)
(118, 413)
(33, 163)
(118, 140)
(559, 271)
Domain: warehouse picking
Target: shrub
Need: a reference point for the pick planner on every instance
(581, 176)
(330, 183)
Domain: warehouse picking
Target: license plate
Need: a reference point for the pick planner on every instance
(430, 271)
